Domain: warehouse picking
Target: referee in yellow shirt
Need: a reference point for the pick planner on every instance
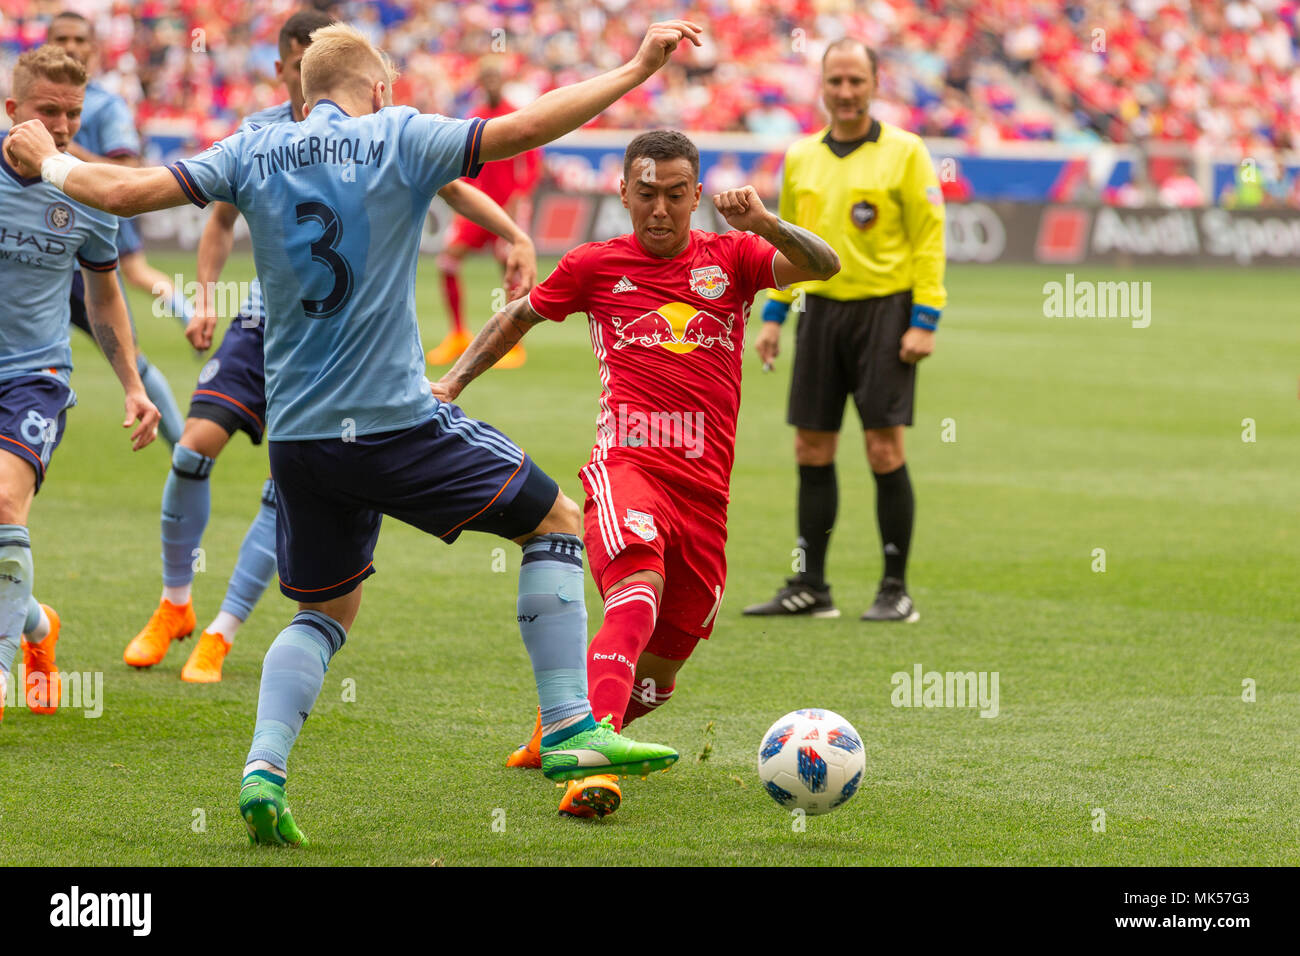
(869, 189)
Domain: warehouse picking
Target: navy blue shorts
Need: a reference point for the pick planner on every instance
(33, 411)
(449, 475)
(128, 237)
(232, 385)
(77, 306)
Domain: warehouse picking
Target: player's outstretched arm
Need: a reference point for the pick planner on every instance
(121, 190)
(215, 243)
(801, 255)
(561, 111)
(106, 312)
(482, 210)
(501, 333)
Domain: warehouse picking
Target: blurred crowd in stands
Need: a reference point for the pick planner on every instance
(1210, 74)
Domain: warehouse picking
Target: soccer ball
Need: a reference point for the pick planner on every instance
(811, 760)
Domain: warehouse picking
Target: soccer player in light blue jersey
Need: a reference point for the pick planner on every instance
(44, 237)
(335, 206)
(107, 134)
(231, 397)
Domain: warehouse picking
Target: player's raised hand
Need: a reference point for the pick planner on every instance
(742, 208)
(521, 269)
(660, 41)
(140, 409)
(28, 145)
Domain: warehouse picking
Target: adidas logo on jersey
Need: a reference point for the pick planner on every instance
(624, 285)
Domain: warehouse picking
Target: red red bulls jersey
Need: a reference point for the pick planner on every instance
(669, 335)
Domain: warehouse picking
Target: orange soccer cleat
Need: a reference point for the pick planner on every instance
(204, 665)
(43, 687)
(169, 623)
(512, 359)
(529, 756)
(594, 796)
(449, 349)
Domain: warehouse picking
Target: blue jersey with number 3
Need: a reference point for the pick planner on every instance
(335, 205)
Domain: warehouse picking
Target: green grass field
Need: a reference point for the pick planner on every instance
(1120, 691)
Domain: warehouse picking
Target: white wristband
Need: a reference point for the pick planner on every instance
(55, 169)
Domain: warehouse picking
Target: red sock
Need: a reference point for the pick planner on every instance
(643, 703)
(451, 284)
(630, 614)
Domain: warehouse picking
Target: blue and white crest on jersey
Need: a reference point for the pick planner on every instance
(59, 217)
(209, 370)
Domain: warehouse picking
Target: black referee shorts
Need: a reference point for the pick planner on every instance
(851, 348)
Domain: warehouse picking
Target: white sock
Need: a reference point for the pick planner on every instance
(264, 765)
(179, 595)
(548, 729)
(40, 631)
(225, 624)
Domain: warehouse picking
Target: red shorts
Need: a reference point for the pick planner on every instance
(466, 233)
(633, 522)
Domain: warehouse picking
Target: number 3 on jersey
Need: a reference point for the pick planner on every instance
(325, 251)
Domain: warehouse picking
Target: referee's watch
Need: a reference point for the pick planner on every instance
(924, 317)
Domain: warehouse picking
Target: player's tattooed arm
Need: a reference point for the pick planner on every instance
(111, 325)
(501, 333)
(803, 255)
(804, 251)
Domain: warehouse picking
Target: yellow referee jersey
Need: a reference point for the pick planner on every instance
(879, 207)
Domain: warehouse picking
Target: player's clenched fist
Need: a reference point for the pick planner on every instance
(742, 208)
(27, 146)
(200, 328)
(660, 41)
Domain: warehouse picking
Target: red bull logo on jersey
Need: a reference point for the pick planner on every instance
(709, 282)
(641, 524)
(676, 326)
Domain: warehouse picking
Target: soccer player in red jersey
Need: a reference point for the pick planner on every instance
(667, 306)
(507, 181)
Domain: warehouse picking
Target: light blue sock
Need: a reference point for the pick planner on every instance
(186, 502)
(33, 618)
(255, 567)
(160, 393)
(15, 589)
(553, 621)
(181, 308)
(292, 673)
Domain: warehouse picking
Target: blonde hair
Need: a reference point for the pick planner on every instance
(341, 58)
(49, 62)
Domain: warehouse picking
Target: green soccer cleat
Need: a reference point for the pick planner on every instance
(269, 822)
(603, 750)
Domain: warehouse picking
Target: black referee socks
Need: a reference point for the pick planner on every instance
(895, 509)
(819, 499)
